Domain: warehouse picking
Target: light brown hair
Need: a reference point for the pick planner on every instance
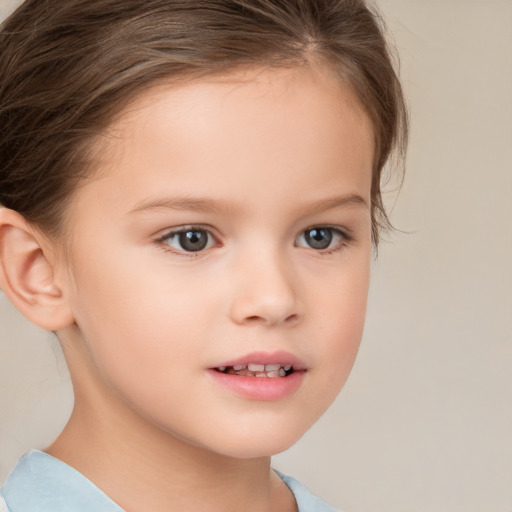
(68, 67)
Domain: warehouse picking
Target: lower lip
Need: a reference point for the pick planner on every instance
(260, 388)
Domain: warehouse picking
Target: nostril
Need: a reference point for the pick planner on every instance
(253, 307)
(272, 320)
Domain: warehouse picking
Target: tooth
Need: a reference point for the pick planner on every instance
(261, 375)
(282, 372)
(288, 367)
(272, 367)
(274, 374)
(239, 367)
(256, 367)
(221, 368)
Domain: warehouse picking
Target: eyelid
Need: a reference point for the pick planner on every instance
(346, 238)
(345, 235)
(172, 232)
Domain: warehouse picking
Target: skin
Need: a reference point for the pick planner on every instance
(274, 152)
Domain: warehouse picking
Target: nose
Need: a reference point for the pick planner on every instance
(265, 292)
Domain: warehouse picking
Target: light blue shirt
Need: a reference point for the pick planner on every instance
(42, 483)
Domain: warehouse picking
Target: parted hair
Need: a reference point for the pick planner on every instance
(69, 67)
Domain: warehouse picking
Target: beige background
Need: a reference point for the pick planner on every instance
(425, 422)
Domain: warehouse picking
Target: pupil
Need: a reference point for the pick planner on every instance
(193, 240)
(319, 238)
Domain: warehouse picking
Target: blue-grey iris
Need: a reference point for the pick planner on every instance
(318, 238)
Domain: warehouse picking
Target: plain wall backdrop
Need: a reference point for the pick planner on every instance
(425, 421)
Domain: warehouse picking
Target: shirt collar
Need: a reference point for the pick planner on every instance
(43, 483)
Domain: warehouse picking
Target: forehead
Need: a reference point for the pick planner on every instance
(248, 126)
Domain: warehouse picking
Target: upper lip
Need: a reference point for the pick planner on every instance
(279, 357)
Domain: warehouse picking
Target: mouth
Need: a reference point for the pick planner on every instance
(270, 371)
(261, 375)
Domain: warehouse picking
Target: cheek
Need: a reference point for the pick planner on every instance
(143, 340)
(134, 317)
(341, 320)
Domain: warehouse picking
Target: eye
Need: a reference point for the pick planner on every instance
(189, 239)
(322, 238)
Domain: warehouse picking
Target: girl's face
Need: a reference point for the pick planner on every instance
(228, 229)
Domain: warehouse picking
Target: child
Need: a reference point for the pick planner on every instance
(190, 192)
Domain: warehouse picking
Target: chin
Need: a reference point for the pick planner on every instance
(254, 449)
(259, 442)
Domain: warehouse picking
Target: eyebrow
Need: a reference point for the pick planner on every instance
(336, 202)
(198, 204)
(207, 205)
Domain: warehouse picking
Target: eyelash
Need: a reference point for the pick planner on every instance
(163, 241)
(345, 236)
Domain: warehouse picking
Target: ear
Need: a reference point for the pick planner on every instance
(27, 273)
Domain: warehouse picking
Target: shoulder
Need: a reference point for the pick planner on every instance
(306, 501)
(41, 483)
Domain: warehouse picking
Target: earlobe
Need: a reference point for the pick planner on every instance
(27, 274)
